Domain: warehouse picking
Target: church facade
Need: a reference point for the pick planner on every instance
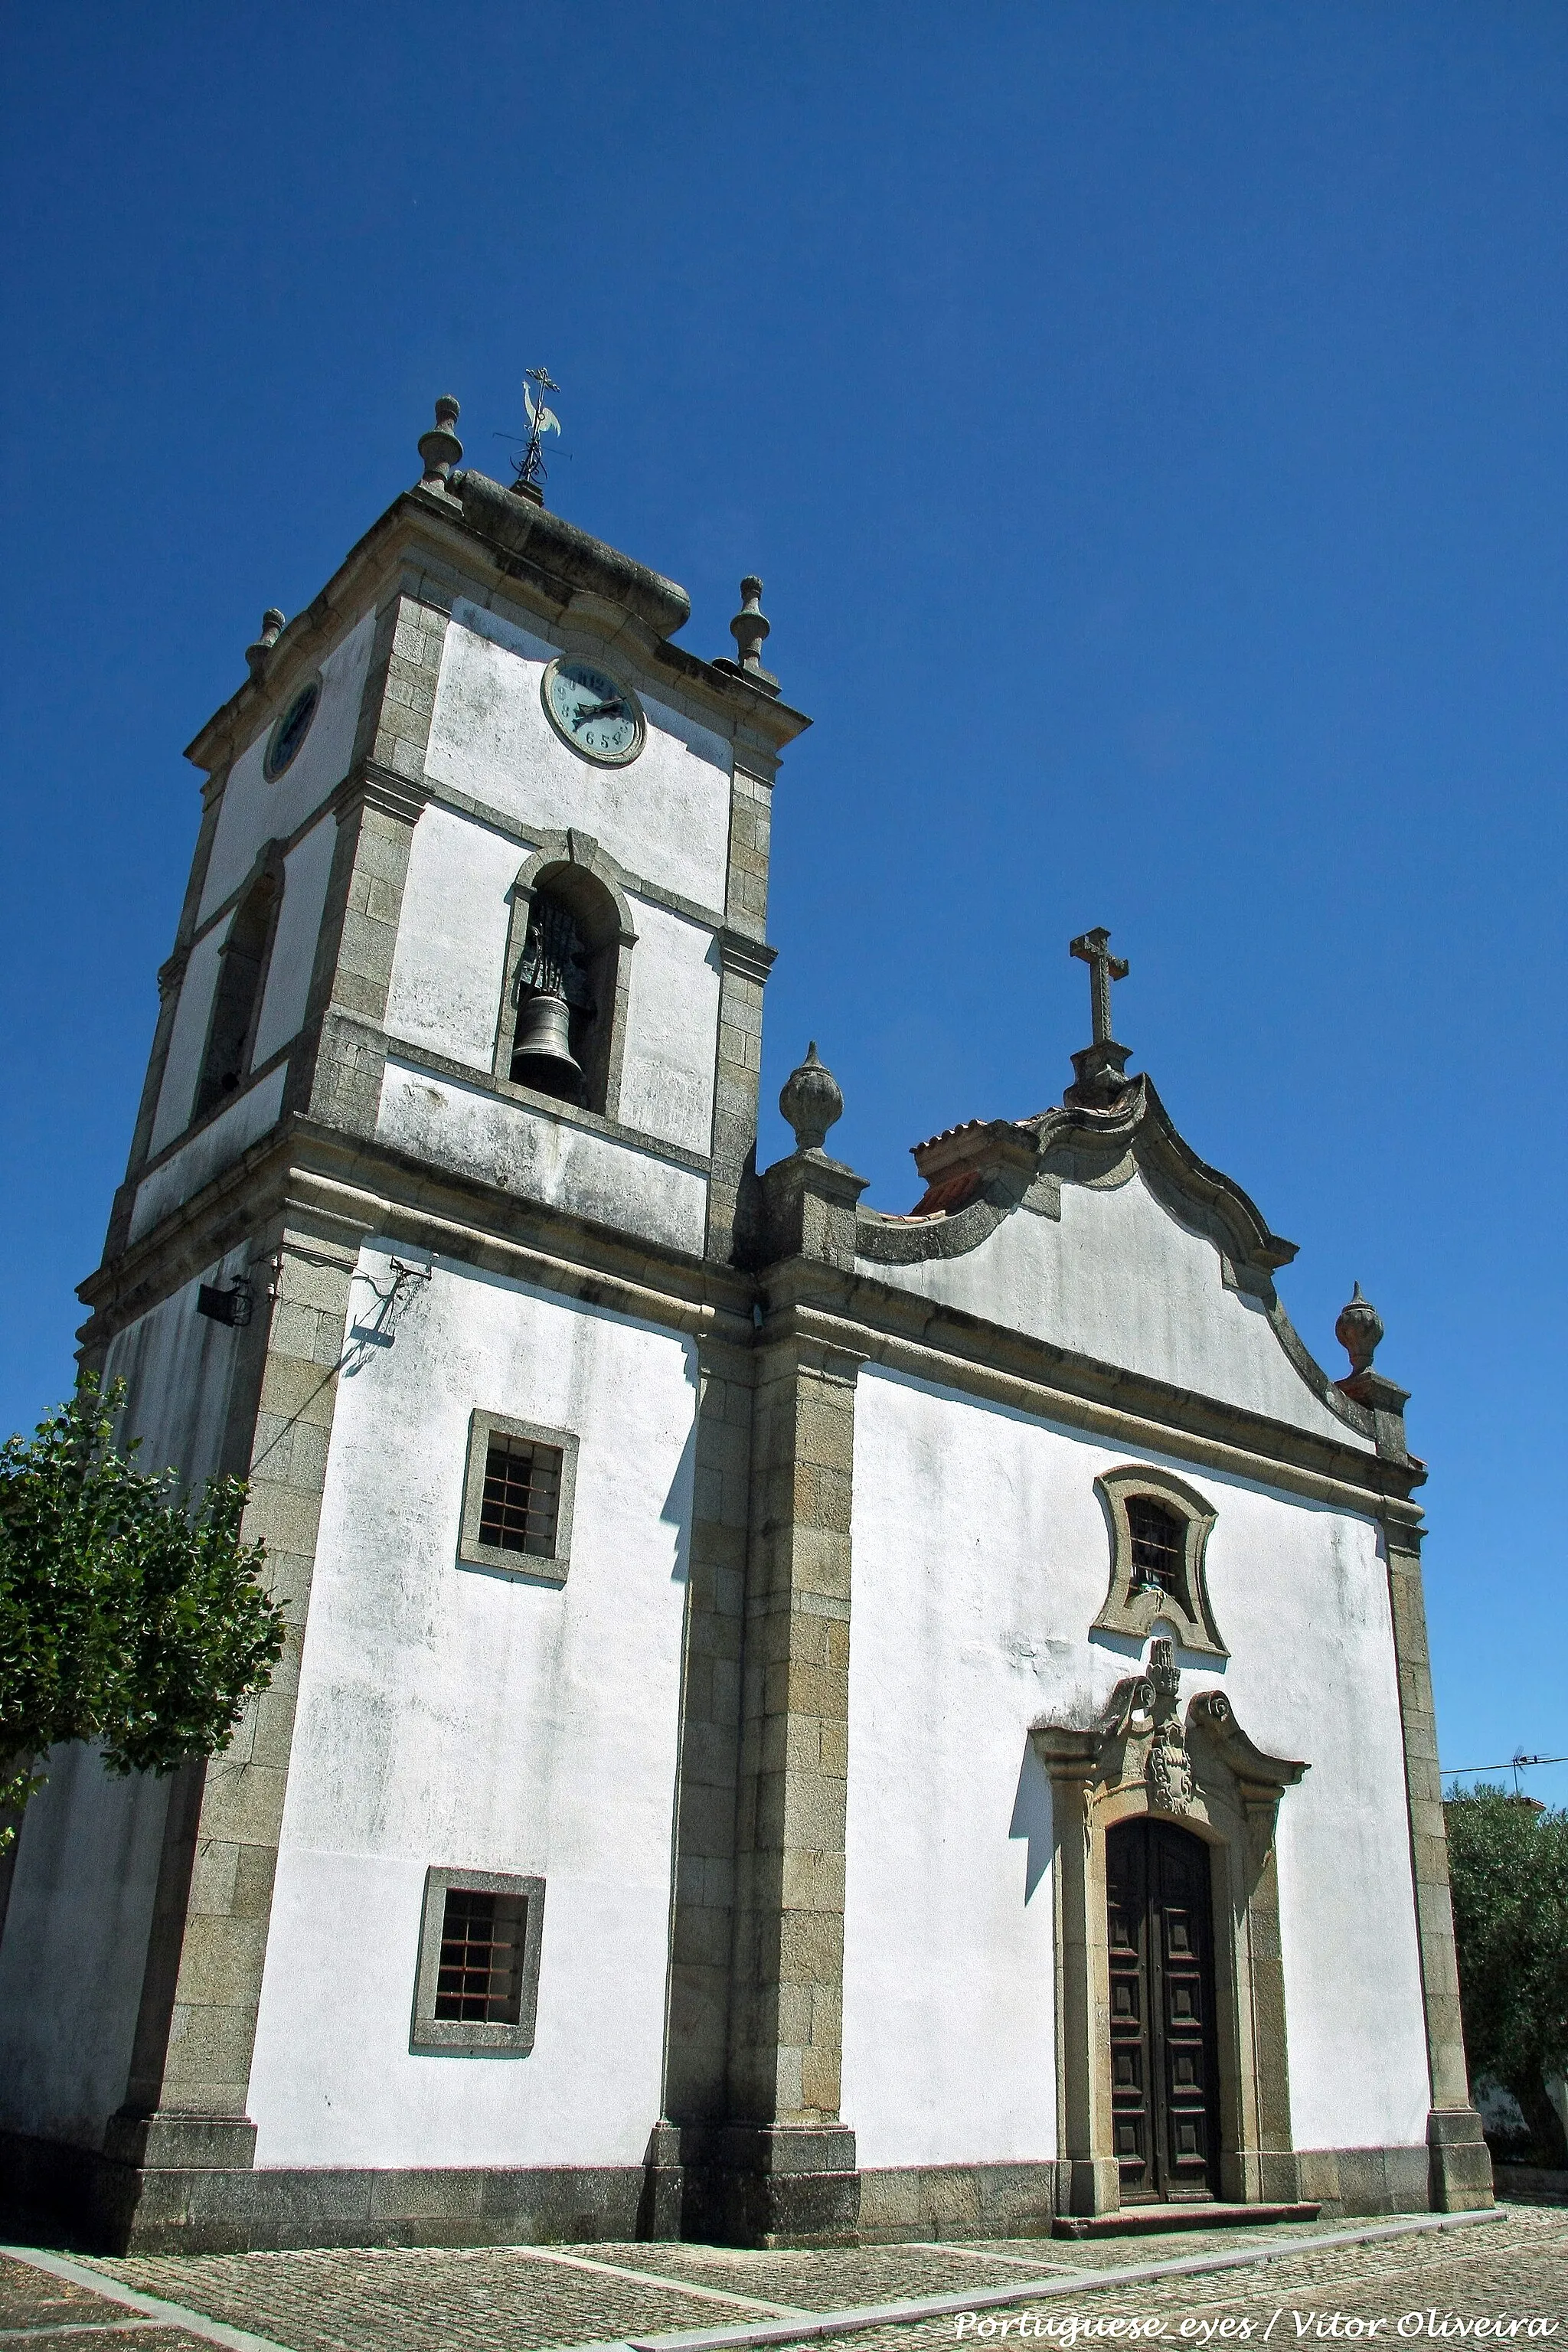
(798, 1721)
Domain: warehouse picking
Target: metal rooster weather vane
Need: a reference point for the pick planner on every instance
(530, 465)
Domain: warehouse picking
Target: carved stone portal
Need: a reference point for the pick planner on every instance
(1200, 1769)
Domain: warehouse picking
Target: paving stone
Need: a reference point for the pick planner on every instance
(436, 2299)
(425, 2299)
(1515, 2269)
(1119, 2254)
(32, 2303)
(827, 2279)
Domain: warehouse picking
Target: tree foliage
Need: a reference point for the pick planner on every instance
(126, 1617)
(1508, 1864)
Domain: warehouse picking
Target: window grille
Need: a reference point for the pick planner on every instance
(522, 1506)
(1156, 1544)
(480, 1979)
(477, 1986)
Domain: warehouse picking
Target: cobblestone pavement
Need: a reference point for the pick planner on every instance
(438, 2299)
(1516, 2268)
(39, 2314)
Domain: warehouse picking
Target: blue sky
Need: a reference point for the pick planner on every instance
(1150, 424)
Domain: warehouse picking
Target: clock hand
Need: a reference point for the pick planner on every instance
(600, 710)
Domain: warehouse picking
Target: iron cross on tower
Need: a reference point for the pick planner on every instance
(1094, 948)
(1100, 1068)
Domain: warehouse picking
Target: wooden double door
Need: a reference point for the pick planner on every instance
(1165, 2085)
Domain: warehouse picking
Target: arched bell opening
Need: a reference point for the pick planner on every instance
(237, 998)
(567, 987)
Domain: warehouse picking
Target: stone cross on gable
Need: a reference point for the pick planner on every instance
(1094, 948)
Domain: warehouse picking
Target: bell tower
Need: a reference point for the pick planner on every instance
(437, 1229)
(475, 821)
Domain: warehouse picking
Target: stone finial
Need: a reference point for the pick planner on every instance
(749, 628)
(441, 448)
(1358, 1331)
(811, 1101)
(271, 628)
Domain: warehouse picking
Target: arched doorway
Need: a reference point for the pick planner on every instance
(1164, 2069)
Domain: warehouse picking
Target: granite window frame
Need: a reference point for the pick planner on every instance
(1135, 1608)
(500, 1559)
(431, 2034)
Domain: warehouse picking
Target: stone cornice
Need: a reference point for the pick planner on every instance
(372, 1188)
(370, 785)
(849, 1314)
(751, 959)
(467, 550)
(908, 1333)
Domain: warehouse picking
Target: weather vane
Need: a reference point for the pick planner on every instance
(530, 467)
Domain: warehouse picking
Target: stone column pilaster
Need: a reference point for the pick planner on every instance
(785, 2165)
(703, 1906)
(1460, 2160)
(788, 2159)
(734, 1214)
(184, 2118)
(733, 1190)
(1269, 2170)
(1088, 2178)
(336, 1073)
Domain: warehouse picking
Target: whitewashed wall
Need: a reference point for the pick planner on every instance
(672, 1029)
(980, 1560)
(255, 812)
(76, 1937)
(452, 1716)
(1120, 1280)
(666, 818)
(87, 1864)
(449, 968)
(223, 1138)
(187, 1038)
(449, 971)
(568, 1167)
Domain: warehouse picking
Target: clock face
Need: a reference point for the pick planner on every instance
(291, 730)
(593, 712)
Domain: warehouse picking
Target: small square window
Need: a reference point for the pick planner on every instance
(480, 1975)
(518, 1498)
(522, 1506)
(477, 1983)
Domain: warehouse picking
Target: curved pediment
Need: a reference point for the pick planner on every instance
(1158, 1263)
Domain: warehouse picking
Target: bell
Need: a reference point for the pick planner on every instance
(544, 1037)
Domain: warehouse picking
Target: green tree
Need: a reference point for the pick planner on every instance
(126, 1616)
(1508, 1861)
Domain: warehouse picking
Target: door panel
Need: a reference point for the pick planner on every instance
(1131, 2074)
(1165, 2084)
